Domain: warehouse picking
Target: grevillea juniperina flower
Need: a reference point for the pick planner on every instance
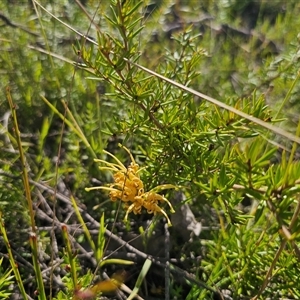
(129, 188)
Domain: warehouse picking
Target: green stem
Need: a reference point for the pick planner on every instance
(37, 269)
(13, 264)
(70, 254)
(33, 237)
(22, 159)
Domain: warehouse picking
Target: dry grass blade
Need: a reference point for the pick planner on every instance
(218, 103)
(253, 119)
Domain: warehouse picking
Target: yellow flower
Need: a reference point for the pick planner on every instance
(129, 188)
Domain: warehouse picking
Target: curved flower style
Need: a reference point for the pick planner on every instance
(129, 188)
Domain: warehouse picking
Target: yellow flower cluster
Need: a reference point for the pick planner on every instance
(129, 188)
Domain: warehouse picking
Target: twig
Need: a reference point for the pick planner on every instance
(167, 257)
(15, 25)
(176, 270)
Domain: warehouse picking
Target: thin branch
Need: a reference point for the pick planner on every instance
(216, 102)
(174, 269)
(15, 25)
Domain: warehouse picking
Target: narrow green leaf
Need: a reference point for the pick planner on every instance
(140, 279)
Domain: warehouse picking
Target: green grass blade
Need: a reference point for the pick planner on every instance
(142, 275)
(13, 264)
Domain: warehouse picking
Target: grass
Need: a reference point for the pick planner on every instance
(204, 107)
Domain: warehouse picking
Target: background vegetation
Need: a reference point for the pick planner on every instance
(71, 86)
